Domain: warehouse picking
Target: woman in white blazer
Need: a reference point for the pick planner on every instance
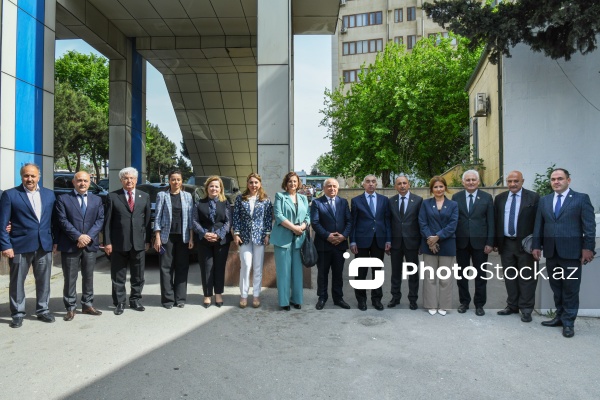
(173, 237)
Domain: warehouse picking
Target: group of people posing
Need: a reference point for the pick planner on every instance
(467, 228)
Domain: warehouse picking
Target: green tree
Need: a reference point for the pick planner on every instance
(184, 167)
(559, 28)
(323, 165)
(407, 114)
(161, 153)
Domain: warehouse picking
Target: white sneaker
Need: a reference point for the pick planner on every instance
(442, 312)
(432, 311)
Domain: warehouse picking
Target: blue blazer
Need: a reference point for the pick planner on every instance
(164, 215)
(566, 235)
(252, 228)
(441, 223)
(72, 223)
(324, 222)
(27, 234)
(284, 209)
(365, 225)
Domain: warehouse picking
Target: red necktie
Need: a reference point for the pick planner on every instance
(130, 201)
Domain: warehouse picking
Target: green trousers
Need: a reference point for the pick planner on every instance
(288, 265)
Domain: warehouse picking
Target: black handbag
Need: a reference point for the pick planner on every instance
(308, 251)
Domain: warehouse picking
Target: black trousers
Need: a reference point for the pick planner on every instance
(330, 260)
(463, 259)
(212, 260)
(119, 261)
(71, 262)
(376, 252)
(398, 256)
(174, 268)
(566, 289)
(520, 280)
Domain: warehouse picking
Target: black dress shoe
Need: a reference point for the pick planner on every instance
(362, 305)
(120, 308)
(413, 305)
(463, 308)
(218, 303)
(17, 322)
(568, 331)
(393, 302)
(286, 308)
(205, 305)
(553, 322)
(479, 311)
(181, 305)
(297, 306)
(507, 311)
(320, 304)
(377, 304)
(136, 305)
(46, 317)
(342, 303)
(168, 306)
(526, 317)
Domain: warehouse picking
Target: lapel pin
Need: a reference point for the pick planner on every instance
(570, 195)
(477, 197)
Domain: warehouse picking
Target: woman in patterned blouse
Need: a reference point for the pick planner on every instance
(252, 222)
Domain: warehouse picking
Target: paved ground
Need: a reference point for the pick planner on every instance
(265, 353)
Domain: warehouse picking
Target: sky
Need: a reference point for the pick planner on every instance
(311, 79)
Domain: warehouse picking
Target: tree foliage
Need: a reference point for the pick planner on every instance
(559, 28)
(323, 165)
(161, 153)
(407, 114)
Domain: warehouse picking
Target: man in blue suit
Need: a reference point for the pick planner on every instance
(330, 217)
(29, 208)
(370, 235)
(80, 218)
(565, 228)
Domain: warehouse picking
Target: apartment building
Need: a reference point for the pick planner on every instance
(365, 26)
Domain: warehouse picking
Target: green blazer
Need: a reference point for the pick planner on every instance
(284, 208)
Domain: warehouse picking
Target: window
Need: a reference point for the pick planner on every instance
(362, 46)
(399, 40)
(475, 139)
(365, 19)
(398, 15)
(351, 76)
(411, 40)
(411, 13)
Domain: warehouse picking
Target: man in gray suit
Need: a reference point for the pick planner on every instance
(565, 228)
(406, 238)
(474, 239)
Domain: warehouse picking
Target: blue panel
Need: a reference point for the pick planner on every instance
(24, 158)
(28, 118)
(30, 49)
(136, 111)
(35, 8)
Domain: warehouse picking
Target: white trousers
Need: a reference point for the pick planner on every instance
(251, 256)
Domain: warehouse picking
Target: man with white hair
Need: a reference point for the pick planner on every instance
(127, 234)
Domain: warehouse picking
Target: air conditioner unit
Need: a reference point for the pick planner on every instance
(342, 2)
(344, 30)
(481, 105)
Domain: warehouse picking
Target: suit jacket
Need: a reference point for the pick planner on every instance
(27, 234)
(164, 215)
(442, 223)
(221, 226)
(405, 229)
(525, 215)
(478, 227)
(365, 225)
(566, 235)
(325, 221)
(284, 209)
(72, 223)
(252, 228)
(123, 229)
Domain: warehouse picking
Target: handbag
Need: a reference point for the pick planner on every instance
(308, 251)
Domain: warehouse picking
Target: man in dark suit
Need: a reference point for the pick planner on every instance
(126, 237)
(515, 212)
(29, 208)
(565, 228)
(370, 235)
(330, 218)
(80, 218)
(474, 239)
(406, 238)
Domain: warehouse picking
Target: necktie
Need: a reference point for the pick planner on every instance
(511, 215)
(557, 206)
(332, 205)
(371, 205)
(130, 200)
(470, 204)
(402, 207)
(83, 206)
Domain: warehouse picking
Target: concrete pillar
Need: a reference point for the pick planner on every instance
(275, 92)
(127, 115)
(27, 89)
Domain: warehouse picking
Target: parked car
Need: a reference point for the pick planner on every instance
(231, 185)
(103, 183)
(63, 183)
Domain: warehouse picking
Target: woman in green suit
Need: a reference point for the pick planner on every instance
(292, 218)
